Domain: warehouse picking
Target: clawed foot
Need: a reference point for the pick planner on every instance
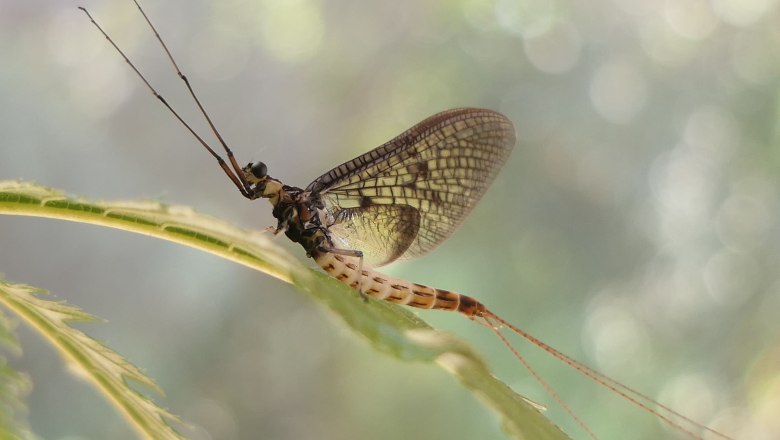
(273, 230)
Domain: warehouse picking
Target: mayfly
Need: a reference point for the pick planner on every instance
(399, 201)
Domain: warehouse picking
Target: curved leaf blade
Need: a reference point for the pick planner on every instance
(106, 369)
(13, 387)
(387, 327)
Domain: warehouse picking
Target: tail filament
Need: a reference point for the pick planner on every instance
(664, 413)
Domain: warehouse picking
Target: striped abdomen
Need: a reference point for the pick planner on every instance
(377, 285)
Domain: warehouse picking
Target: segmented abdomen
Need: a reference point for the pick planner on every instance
(378, 285)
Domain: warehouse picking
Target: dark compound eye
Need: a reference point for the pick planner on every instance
(259, 170)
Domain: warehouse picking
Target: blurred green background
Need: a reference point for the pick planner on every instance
(634, 226)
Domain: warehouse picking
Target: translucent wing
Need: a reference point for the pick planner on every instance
(382, 232)
(440, 168)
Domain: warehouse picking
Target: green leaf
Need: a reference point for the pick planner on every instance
(389, 328)
(13, 387)
(106, 369)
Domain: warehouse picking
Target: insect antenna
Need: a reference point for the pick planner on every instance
(664, 413)
(235, 174)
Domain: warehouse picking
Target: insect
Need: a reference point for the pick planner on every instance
(398, 201)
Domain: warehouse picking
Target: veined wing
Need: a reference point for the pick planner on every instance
(440, 167)
(382, 232)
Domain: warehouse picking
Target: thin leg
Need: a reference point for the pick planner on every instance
(351, 253)
(272, 230)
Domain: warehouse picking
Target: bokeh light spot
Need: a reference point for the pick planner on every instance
(692, 18)
(742, 12)
(555, 51)
(754, 59)
(618, 91)
(292, 29)
(692, 395)
(618, 339)
(479, 13)
(525, 17)
(665, 45)
(743, 223)
(713, 133)
(729, 277)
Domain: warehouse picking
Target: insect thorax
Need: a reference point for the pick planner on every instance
(299, 215)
